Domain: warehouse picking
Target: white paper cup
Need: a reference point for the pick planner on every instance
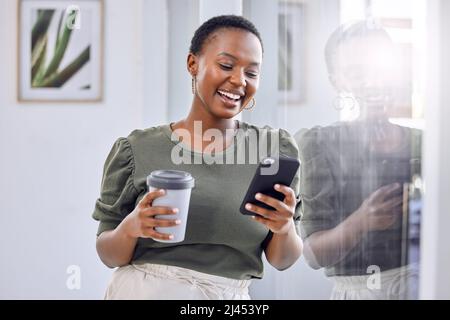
(178, 186)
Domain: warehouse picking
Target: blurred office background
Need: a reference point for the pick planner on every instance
(53, 153)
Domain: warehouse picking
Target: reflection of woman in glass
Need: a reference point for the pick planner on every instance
(223, 249)
(353, 173)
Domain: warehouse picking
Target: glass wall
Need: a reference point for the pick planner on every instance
(351, 91)
(361, 180)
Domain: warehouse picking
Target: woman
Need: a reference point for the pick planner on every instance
(354, 172)
(222, 249)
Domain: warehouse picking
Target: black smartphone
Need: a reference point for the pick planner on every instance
(270, 171)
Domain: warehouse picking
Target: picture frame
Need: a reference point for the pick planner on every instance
(60, 51)
(291, 54)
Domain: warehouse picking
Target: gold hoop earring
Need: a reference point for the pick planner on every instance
(193, 85)
(253, 104)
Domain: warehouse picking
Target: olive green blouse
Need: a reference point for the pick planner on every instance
(219, 239)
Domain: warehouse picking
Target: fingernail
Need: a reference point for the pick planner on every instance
(258, 196)
(177, 221)
(162, 191)
(277, 186)
(171, 237)
(248, 207)
(175, 210)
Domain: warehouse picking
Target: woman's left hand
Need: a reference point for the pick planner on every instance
(279, 221)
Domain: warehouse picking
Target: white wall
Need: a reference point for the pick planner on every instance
(321, 19)
(210, 8)
(435, 252)
(182, 22)
(155, 49)
(52, 159)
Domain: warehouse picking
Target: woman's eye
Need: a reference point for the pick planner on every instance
(225, 66)
(252, 74)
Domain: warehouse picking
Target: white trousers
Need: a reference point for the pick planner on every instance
(395, 284)
(161, 282)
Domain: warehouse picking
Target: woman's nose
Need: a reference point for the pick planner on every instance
(238, 79)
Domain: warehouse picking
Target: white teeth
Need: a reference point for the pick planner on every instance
(230, 95)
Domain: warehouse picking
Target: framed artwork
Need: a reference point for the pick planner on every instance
(60, 46)
(291, 39)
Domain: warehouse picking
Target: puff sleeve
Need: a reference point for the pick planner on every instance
(118, 193)
(317, 184)
(288, 147)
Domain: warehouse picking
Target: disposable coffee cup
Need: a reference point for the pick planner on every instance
(178, 186)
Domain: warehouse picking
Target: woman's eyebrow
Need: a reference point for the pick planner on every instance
(235, 58)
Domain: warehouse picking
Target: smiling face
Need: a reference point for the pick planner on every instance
(366, 68)
(227, 71)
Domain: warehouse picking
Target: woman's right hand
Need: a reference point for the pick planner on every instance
(380, 210)
(141, 222)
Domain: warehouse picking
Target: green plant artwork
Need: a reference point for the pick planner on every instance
(46, 71)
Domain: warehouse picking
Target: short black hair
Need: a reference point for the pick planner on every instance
(221, 22)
